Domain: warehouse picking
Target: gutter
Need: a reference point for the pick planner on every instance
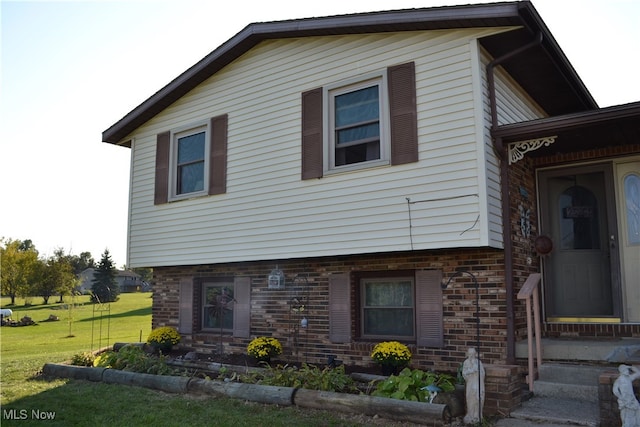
(500, 150)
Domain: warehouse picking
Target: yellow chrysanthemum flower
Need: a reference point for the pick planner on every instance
(391, 353)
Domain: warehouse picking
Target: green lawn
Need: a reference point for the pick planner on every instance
(26, 395)
(82, 326)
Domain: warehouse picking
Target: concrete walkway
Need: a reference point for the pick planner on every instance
(552, 412)
(514, 422)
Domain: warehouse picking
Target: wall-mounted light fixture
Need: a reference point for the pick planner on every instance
(276, 279)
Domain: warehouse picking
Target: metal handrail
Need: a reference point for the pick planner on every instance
(530, 293)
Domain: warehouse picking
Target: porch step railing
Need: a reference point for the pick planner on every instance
(531, 294)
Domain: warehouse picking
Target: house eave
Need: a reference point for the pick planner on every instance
(599, 128)
(509, 14)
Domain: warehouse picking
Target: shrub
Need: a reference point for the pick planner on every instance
(85, 358)
(164, 338)
(264, 348)
(133, 359)
(310, 377)
(410, 384)
(391, 353)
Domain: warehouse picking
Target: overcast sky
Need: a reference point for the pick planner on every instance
(71, 69)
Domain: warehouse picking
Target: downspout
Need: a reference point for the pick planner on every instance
(500, 151)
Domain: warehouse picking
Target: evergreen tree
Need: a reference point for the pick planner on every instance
(104, 285)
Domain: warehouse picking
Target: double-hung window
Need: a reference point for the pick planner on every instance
(387, 308)
(218, 299)
(357, 124)
(191, 161)
(191, 155)
(365, 121)
(404, 305)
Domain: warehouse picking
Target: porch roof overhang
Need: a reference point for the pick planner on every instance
(588, 130)
(545, 72)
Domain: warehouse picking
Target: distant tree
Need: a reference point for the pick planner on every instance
(82, 262)
(104, 286)
(26, 245)
(18, 267)
(56, 277)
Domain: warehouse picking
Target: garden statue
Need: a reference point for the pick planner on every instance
(473, 373)
(627, 402)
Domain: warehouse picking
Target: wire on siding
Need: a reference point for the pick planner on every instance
(409, 203)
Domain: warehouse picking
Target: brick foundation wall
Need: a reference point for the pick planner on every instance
(581, 330)
(271, 314)
(503, 389)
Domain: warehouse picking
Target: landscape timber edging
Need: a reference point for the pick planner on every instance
(399, 410)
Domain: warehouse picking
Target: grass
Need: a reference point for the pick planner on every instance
(26, 395)
(82, 326)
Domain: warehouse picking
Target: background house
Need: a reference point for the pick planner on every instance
(368, 161)
(127, 280)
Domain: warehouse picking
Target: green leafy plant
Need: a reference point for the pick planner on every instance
(134, 359)
(85, 358)
(410, 384)
(264, 348)
(164, 338)
(391, 353)
(310, 377)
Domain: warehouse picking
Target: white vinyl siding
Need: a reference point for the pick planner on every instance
(268, 212)
(513, 105)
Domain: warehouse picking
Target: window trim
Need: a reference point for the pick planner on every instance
(329, 93)
(182, 132)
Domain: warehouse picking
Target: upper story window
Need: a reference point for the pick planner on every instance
(364, 122)
(190, 161)
(357, 125)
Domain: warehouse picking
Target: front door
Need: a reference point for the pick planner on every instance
(581, 274)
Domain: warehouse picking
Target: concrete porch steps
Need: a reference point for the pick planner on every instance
(564, 394)
(552, 412)
(563, 380)
(566, 389)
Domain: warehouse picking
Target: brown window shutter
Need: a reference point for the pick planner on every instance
(429, 321)
(218, 155)
(403, 115)
(312, 152)
(161, 190)
(185, 306)
(242, 307)
(339, 308)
